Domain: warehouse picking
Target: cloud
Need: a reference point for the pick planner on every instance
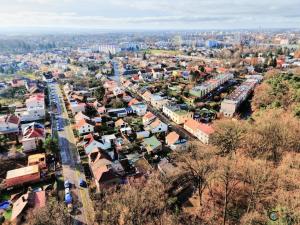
(68, 18)
(44, 2)
(179, 14)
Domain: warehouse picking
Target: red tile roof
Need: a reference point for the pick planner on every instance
(13, 119)
(156, 123)
(171, 138)
(133, 101)
(206, 128)
(10, 119)
(195, 125)
(37, 97)
(148, 115)
(208, 69)
(89, 138)
(34, 133)
(147, 94)
(34, 130)
(81, 123)
(192, 124)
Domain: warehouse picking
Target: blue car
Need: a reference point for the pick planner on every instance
(68, 198)
(82, 183)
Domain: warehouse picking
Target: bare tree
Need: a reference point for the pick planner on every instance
(198, 164)
(55, 213)
(227, 136)
(143, 202)
(227, 178)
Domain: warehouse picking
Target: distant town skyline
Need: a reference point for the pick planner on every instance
(149, 14)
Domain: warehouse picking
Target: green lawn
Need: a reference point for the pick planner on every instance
(7, 214)
(4, 197)
(8, 77)
(165, 52)
(27, 75)
(9, 101)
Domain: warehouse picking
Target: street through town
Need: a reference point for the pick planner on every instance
(71, 167)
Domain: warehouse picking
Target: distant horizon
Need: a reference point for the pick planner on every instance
(149, 14)
(91, 31)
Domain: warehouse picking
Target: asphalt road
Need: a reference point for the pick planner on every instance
(116, 76)
(72, 170)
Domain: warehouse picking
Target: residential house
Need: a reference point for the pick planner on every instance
(76, 106)
(101, 168)
(133, 102)
(177, 114)
(121, 112)
(117, 91)
(91, 142)
(126, 98)
(16, 83)
(139, 108)
(19, 206)
(174, 141)
(148, 118)
(108, 138)
(142, 134)
(120, 123)
(79, 116)
(33, 200)
(110, 85)
(36, 102)
(127, 84)
(157, 126)
(231, 103)
(83, 127)
(210, 85)
(9, 124)
(147, 96)
(152, 144)
(76, 100)
(35, 108)
(22, 175)
(37, 159)
(159, 102)
(33, 135)
(200, 130)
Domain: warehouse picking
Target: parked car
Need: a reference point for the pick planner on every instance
(60, 129)
(67, 190)
(82, 183)
(67, 184)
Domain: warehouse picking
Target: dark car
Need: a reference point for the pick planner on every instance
(82, 183)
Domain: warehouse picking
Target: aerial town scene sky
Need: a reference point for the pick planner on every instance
(150, 14)
(149, 112)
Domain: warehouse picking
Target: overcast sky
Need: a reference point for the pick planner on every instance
(150, 14)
